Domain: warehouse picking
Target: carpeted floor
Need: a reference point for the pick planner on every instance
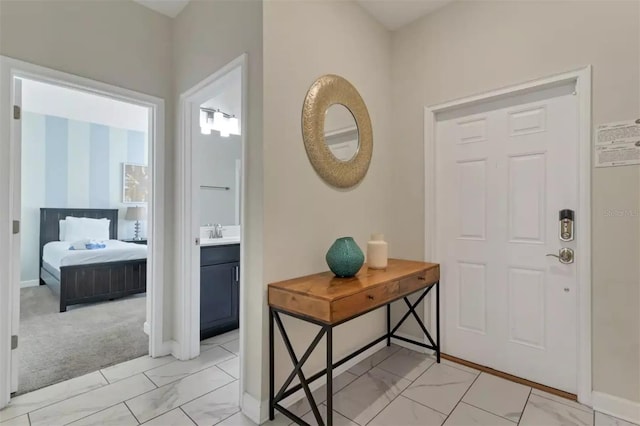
(57, 346)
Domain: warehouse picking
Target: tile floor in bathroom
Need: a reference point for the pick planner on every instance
(394, 387)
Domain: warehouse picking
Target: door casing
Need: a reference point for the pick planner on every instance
(582, 80)
(187, 305)
(12, 68)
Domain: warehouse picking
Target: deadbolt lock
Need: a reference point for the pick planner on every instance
(566, 225)
(565, 255)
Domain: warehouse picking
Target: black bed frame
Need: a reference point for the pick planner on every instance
(92, 282)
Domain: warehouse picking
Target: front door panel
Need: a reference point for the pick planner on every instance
(504, 170)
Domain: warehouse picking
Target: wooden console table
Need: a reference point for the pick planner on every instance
(328, 301)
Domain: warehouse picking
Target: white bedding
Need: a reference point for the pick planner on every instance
(57, 253)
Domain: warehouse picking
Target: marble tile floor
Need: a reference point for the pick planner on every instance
(393, 387)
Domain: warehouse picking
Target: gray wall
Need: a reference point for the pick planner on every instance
(472, 47)
(116, 42)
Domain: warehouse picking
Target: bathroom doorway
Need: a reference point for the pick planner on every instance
(211, 173)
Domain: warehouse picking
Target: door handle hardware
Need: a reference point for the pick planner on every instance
(237, 272)
(565, 255)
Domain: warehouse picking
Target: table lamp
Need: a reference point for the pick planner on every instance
(137, 213)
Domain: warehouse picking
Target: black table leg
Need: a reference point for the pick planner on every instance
(297, 371)
(388, 324)
(438, 321)
(272, 411)
(329, 376)
(285, 391)
(434, 345)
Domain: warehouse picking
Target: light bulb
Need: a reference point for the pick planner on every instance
(234, 126)
(218, 121)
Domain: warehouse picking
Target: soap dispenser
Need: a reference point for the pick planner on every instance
(377, 252)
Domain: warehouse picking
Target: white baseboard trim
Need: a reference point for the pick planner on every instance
(30, 283)
(258, 411)
(175, 350)
(166, 348)
(617, 407)
(252, 408)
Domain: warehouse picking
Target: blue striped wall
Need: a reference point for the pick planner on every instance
(75, 164)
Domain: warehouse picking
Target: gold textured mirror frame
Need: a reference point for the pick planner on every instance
(326, 91)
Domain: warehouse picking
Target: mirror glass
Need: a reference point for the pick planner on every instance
(341, 132)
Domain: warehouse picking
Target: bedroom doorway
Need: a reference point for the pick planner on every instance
(83, 245)
(86, 259)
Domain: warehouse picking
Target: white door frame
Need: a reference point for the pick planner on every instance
(582, 79)
(187, 305)
(11, 68)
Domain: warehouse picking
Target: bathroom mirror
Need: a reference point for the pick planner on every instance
(336, 130)
(341, 132)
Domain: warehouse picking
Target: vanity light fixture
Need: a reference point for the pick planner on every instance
(219, 121)
(214, 119)
(234, 125)
(204, 116)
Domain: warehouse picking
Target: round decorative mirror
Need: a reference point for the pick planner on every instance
(341, 132)
(336, 129)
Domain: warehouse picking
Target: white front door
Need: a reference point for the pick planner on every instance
(504, 171)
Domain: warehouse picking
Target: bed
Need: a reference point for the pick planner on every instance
(88, 276)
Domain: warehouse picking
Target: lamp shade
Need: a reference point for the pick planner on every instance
(136, 213)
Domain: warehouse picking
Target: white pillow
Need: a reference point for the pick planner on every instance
(63, 227)
(80, 228)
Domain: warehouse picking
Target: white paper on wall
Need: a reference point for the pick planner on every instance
(617, 144)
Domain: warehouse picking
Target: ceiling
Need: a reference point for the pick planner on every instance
(393, 14)
(171, 8)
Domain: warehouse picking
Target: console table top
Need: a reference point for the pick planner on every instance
(327, 298)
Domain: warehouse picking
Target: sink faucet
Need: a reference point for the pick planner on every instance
(217, 231)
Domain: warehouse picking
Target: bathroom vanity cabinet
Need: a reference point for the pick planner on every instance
(219, 289)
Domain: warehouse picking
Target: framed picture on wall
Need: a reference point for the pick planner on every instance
(135, 183)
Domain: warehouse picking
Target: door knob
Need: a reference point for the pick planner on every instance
(565, 255)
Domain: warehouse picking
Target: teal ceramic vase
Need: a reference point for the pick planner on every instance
(345, 257)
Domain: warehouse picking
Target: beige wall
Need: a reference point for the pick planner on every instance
(116, 42)
(472, 47)
(207, 36)
(302, 214)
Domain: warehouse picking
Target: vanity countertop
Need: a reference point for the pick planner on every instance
(207, 242)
